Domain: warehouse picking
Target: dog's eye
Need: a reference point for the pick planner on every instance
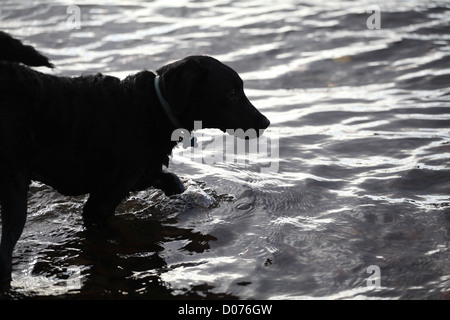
(233, 94)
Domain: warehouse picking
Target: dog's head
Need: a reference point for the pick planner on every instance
(201, 88)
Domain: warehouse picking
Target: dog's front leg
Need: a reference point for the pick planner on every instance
(100, 206)
(169, 183)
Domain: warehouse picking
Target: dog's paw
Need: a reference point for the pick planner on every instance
(170, 184)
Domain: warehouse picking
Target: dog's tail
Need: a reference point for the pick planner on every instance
(14, 51)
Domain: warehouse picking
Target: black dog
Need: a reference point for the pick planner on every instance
(99, 135)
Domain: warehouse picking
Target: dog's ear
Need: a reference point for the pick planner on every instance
(180, 80)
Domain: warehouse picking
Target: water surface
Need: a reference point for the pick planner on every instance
(361, 119)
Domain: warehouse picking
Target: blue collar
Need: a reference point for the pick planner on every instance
(165, 105)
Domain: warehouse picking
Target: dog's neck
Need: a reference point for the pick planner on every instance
(166, 106)
(173, 119)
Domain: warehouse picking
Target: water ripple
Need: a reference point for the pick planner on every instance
(363, 123)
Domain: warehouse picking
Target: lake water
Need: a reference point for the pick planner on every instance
(351, 199)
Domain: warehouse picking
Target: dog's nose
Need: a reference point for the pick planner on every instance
(264, 123)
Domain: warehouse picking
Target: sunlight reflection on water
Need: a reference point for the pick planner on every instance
(363, 123)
